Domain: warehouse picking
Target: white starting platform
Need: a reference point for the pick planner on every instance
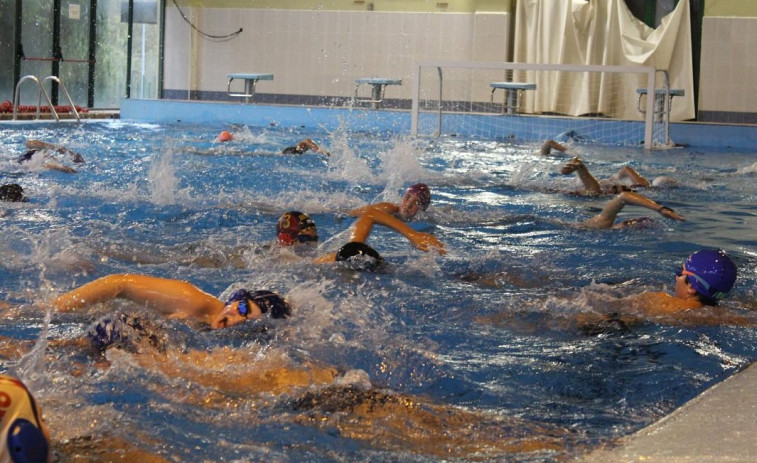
(377, 93)
(513, 94)
(250, 80)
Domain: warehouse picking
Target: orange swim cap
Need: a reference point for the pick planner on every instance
(224, 136)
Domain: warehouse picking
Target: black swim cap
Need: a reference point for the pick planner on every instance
(271, 303)
(12, 192)
(360, 256)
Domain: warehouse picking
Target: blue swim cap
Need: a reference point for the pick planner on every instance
(359, 256)
(22, 439)
(714, 273)
(26, 443)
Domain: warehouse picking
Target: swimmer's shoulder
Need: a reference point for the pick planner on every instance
(655, 303)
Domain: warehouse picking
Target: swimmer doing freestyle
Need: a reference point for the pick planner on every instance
(176, 299)
(416, 199)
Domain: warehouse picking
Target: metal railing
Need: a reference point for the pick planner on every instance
(41, 93)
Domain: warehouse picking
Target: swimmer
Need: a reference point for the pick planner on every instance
(37, 146)
(305, 146)
(549, 145)
(416, 198)
(359, 256)
(295, 227)
(176, 299)
(704, 279)
(392, 420)
(613, 185)
(606, 218)
(12, 192)
(224, 136)
(24, 436)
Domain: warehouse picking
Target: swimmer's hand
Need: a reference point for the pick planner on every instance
(52, 165)
(670, 213)
(425, 241)
(325, 259)
(572, 166)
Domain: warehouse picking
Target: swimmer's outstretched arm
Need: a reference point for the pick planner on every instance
(590, 183)
(42, 145)
(549, 145)
(173, 297)
(636, 178)
(606, 218)
(422, 241)
(389, 208)
(53, 165)
(309, 144)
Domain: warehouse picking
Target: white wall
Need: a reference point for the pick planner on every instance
(728, 65)
(322, 52)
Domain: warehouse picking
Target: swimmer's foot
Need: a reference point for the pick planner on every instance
(572, 166)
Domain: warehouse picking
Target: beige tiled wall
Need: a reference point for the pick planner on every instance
(322, 52)
(728, 65)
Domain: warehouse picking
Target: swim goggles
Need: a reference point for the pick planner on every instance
(241, 296)
(243, 308)
(700, 280)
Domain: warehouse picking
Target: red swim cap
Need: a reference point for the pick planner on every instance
(295, 227)
(224, 136)
(423, 193)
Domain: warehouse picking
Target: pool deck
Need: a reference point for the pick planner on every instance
(718, 426)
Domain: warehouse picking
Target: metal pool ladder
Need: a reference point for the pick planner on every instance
(47, 98)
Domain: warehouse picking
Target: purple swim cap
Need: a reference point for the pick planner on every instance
(713, 273)
(423, 193)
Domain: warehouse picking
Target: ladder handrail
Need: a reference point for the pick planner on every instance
(41, 92)
(65, 91)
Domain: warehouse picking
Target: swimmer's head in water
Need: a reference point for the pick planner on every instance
(128, 332)
(711, 273)
(224, 136)
(268, 302)
(295, 227)
(359, 256)
(271, 303)
(23, 433)
(422, 192)
(12, 192)
(664, 182)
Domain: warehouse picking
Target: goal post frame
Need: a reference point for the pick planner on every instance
(510, 66)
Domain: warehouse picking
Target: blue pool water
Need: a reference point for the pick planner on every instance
(474, 355)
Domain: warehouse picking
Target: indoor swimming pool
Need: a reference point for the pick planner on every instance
(482, 354)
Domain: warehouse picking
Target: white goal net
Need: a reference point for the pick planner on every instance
(536, 102)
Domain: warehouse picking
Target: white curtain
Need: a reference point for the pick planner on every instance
(600, 32)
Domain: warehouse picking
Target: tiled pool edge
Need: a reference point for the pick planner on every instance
(694, 134)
